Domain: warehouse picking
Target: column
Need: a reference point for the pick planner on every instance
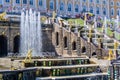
(61, 38)
(88, 5)
(94, 7)
(101, 11)
(66, 7)
(69, 41)
(73, 7)
(80, 7)
(108, 14)
(57, 6)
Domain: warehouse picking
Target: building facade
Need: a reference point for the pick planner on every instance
(108, 8)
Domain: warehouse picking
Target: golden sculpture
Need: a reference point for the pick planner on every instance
(28, 58)
(111, 55)
(3, 16)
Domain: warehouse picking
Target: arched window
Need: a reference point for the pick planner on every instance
(24, 1)
(112, 3)
(91, 0)
(74, 45)
(84, 8)
(76, 8)
(112, 11)
(118, 4)
(104, 11)
(18, 1)
(97, 1)
(51, 5)
(104, 2)
(84, 0)
(118, 12)
(40, 3)
(97, 10)
(57, 38)
(65, 42)
(61, 6)
(7, 0)
(69, 7)
(91, 9)
(31, 2)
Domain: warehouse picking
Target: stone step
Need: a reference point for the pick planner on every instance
(72, 76)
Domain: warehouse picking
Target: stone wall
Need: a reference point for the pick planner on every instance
(73, 46)
(90, 48)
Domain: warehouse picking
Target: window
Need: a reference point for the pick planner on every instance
(84, 8)
(76, 8)
(69, 7)
(24, 1)
(61, 6)
(118, 4)
(112, 11)
(118, 12)
(104, 11)
(84, 0)
(104, 2)
(40, 3)
(7, 0)
(51, 5)
(17, 1)
(91, 0)
(97, 1)
(91, 9)
(97, 10)
(31, 2)
(111, 3)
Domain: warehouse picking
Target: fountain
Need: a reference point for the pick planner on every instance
(30, 31)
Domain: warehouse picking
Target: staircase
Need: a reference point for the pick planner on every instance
(68, 69)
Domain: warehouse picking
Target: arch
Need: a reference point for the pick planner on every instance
(57, 38)
(94, 54)
(65, 42)
(16, 44)
(61, 6)
(51, 5)
(74, 45)
(83, 49)
(3, 46)
(76, 8)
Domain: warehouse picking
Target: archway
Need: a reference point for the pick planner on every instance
(65, 42)
(94, 54)
(16, 44)
(3, 46)
(74, 45)
(83, 49)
